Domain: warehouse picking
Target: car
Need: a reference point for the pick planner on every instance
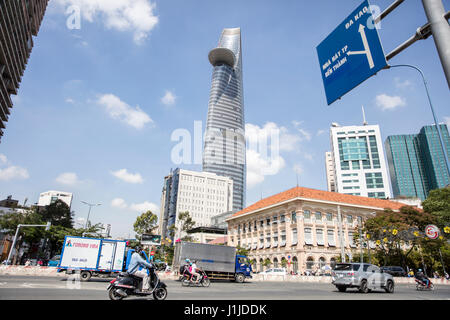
(395, 271)
(53, 262)
(275, 272)
(364, 276)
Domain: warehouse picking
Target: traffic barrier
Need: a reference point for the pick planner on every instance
(52, 272)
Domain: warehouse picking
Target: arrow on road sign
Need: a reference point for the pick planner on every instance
(366, 51)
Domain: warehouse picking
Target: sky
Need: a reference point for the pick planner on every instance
(110, 83)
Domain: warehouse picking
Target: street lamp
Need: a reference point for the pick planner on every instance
(90, 206)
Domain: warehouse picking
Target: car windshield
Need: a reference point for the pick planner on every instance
(346, 267)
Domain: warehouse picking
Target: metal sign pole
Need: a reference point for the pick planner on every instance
(434, 9)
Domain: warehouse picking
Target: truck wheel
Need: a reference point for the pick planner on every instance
(240, 278)
(85, 275)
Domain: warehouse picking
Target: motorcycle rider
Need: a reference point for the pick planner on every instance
(422, 277)
(194, 271)
(133, 268)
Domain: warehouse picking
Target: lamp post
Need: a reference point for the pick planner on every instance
(441, 140)
(89, 212)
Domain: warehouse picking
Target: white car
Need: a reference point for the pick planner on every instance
(275, 272)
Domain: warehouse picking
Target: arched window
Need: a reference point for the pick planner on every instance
(309, 263)
(275, 263)
(332, 263)
(295, 265)
(322, 262)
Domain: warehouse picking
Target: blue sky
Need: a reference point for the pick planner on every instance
(97, 105)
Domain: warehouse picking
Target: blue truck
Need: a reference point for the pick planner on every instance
(219, 262)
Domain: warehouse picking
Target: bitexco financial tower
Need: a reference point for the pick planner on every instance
(224, 148)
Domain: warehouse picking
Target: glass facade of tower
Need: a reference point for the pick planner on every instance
(224, 149)
(416, 162)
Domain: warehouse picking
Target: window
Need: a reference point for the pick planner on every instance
(318, 216)
(329, 217)
(308, 236)
(268, 221)
(282, 218)
(294, 237)
(351, 240)
(294, 216)
(330, 236)
(307, 214)
(319, 237)
(349, 219)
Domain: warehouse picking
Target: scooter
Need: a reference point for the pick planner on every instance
(187, 280)
(126, 285)
(421, 285)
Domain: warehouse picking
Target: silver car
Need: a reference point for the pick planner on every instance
(364, 276)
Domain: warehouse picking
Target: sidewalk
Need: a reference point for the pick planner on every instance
(52, 272)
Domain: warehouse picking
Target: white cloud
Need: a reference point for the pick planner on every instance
(305, 135)
(402, 84)
(298, 169)
(447, 121)
(118, 203)
(13, 172)
(67, 178)
(3, 159)
(258, 167)
(120, 110)
(145, 206)
(386, 102)
(169, 98)
(124, 175)
(138, 207)
(135, 16)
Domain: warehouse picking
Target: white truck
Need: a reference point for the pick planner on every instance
(92, 256)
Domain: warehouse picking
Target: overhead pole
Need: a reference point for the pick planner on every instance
(434, 9)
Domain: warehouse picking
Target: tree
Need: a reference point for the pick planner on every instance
(438, 205)
(146, 223)
(187, 224)
(395, 231)
(242, 251)
(58, 213)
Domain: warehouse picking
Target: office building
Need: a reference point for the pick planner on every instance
(202, 194)
(329, 167)
(359, 164)
(416, 162)
(19, 21)
(224, 146)
(303, 229)
(49, 197)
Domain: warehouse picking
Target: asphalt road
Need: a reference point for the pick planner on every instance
(56, 288)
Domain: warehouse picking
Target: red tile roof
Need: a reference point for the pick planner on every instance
(313, 194)
(220, 240)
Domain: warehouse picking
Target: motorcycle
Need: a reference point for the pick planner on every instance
(421, 285)
(126, 285)
(186, 279)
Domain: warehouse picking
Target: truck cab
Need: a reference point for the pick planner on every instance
(243, 268)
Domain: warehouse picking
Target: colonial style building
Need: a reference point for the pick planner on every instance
(303, 227)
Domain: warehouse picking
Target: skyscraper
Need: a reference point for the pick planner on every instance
(360, 168)
(224, 149)
(19, 21)
(202, 194)
(416, 162)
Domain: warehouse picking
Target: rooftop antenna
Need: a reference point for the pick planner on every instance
(364, 117)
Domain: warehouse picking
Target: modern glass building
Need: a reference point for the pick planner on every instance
(416, 162)
(360, 168)
(224, 148)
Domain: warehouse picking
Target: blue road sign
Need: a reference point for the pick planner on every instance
(351, 53)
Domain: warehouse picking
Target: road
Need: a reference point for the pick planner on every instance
(57, 288)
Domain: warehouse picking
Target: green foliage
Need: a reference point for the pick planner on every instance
(145, 224)
(186, 224)
(241, 251)
(438, 205)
